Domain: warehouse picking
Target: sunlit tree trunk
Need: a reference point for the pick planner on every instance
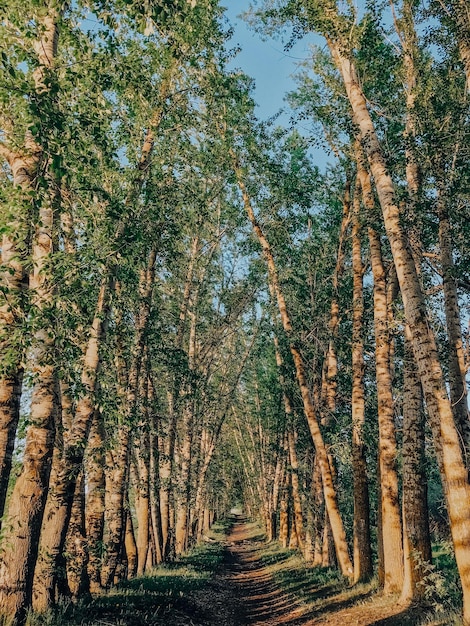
(94, 506)
(50, 558)
(76, 545)
(445, 434)
(69, 463)
(142, 500)
(130, 546)
(117, 462)
(23, 522)
(390, 517)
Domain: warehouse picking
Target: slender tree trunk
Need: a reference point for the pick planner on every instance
(416, 536)
(26, 509)
(142, 502)
(13, 281)
(328, 551)
(95, 505)
(309, 409)
(329, 388)
(10, 398)
(296, 497)
(117, 465)
(362, 542)
(446, 437)
(319, 502)
(456, 356)
(390, 519)
(154, 474)
(284, 512)
(131, 547)
(76, 545)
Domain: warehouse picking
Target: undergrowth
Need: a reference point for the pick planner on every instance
(323, 590)
(163, 596)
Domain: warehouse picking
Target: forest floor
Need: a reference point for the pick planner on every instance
(239, 580)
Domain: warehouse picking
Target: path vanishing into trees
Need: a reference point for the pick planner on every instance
(258, 599)
(202, 311)
(254, 584)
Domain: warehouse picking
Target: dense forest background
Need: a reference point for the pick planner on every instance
(195, 316)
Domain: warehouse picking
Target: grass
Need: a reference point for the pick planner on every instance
(323, 590)
(163, 596)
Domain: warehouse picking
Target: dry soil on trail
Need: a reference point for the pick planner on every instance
(246, 593)
(242, 582)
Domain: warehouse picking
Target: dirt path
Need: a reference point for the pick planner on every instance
(254, 585)
(246, 594)
(259, 601)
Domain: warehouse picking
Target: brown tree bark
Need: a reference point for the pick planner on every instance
(416, 535)
(184, 485)
(142, 500)
(95, 505)
(296, 495)
(117, 466)
(69, 462)
(390, 517)
(284, 512)
(130, 544)
(76, 545)
(26, 509)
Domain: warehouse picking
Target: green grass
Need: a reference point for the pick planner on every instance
(323, 589)
(163, 596)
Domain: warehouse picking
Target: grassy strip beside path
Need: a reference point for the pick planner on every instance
(327, 599)
(172, 595)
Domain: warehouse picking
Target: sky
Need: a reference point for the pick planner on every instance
(264, 60)
(272, 68)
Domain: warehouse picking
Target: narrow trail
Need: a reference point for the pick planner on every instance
(253, 585)
(251, 596)
(259, 599)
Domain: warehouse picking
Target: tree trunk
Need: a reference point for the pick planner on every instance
(416, 536)
(309, 409)
(131, 546)
(296, 497)
(23, 522)
(142, 501)
(154, 473)
(362, 543)
(329, 388)
(95, 505)
(76, 545)
(284, 512)
(10, 398)
(117, 462)
(446, 437)
(456, 356)
(390, 518)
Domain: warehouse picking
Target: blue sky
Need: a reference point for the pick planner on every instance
(272, 68)
(264, 60)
